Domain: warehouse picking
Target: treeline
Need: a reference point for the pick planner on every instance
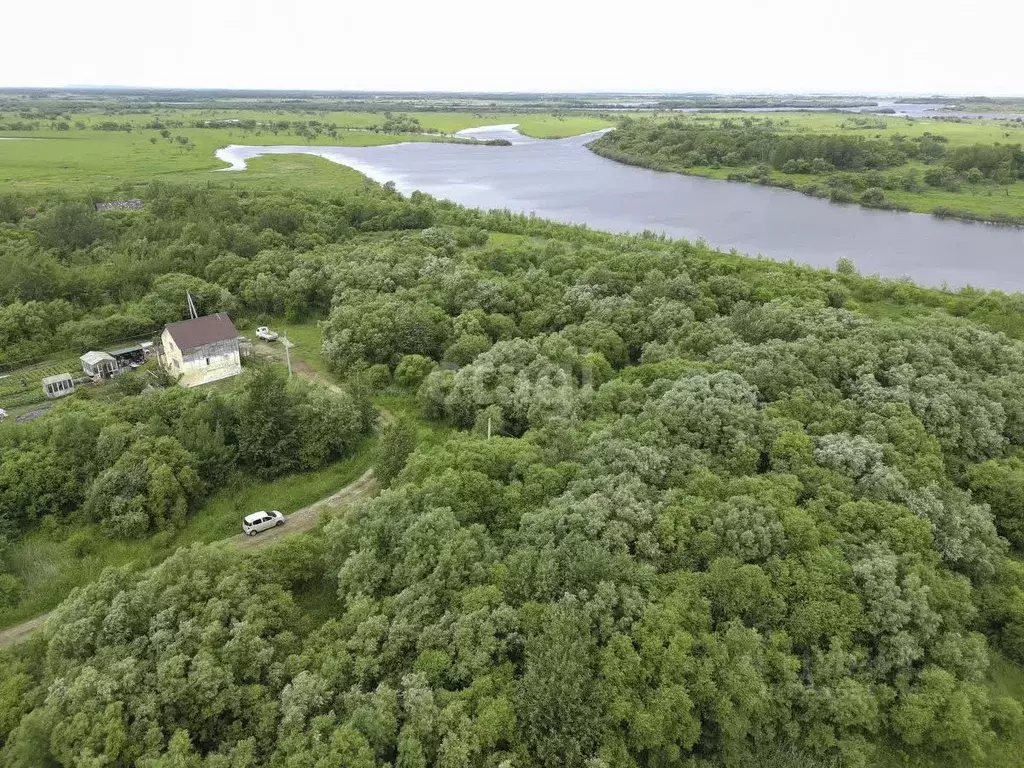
(848, 168)
(723, 517)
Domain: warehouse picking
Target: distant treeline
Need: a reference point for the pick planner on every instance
(847, 165)
(48, 102)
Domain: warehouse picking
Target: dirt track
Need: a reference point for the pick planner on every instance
(19, 633)
(306, 518)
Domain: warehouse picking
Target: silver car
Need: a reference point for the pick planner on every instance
(261, 521)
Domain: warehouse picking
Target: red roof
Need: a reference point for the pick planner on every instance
(200, 331)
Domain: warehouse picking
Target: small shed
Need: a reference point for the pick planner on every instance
(98, 364)
(128, 356)
(59, 385)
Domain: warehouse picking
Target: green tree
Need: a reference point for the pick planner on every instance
(69, 227)
(396, 443)
(268, 439)
(557, 698)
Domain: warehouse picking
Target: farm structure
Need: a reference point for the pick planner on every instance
(130, 357)
(201, 350)
(98, 365)
(58, 386)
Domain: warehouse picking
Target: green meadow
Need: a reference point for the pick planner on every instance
(84, 159)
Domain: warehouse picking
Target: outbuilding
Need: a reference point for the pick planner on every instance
(98, 365)
(58, 386)
(201, 350)
(126, 357)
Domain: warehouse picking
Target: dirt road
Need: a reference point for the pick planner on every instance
(304, 519)
(19, 633)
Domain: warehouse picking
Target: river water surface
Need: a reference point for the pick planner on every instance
(561, 179)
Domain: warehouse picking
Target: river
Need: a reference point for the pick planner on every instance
(561, 179)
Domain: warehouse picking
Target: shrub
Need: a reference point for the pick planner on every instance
(377, 377)
(412, 370)
(82, 544)
(10, 590)
(838, 195)
(820, 165)
(796, 166)
(873, 196)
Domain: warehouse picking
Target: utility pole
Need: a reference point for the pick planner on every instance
(287, 353)
(488, 427)
(192, 313)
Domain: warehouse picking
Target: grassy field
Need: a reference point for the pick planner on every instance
(89, 160)
(982, 199)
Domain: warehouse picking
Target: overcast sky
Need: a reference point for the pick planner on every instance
(878, 46)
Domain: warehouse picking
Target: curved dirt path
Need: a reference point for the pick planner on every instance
(300, 520)
(306, 519)
(19, 633)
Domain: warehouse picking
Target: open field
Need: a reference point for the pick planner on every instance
(90, 160)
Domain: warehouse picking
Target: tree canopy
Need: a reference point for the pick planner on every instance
(730, 512)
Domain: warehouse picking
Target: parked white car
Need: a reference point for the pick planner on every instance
(266, 334)
(261, 521)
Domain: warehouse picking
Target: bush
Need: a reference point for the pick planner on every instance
(396, 443)
(412, 370)
(10, 590)
(839, 195)
(82, 544)
(133, 523)
(873, 196)
(129, 384)
(440, 238)
(377, 377)
(820, 165)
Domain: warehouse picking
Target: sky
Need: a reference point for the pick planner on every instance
(778, 46)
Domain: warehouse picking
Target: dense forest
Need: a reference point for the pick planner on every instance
(844, 168)
(693, 509)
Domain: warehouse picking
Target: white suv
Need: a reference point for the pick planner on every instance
(260, 521)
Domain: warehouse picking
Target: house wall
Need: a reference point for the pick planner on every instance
(201, 365)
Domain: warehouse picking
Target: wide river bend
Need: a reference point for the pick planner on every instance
(561, 179)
